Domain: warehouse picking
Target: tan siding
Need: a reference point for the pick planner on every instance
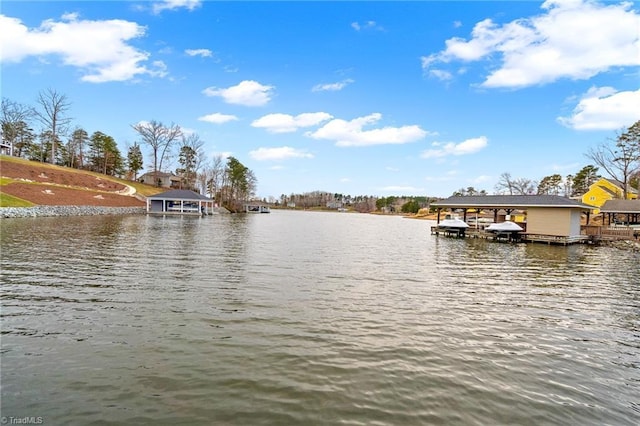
(549, 221)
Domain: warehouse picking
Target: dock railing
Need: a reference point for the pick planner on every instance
(609, 233)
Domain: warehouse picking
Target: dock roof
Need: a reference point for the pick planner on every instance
(621, 206)
(510, 202)
(179, 194)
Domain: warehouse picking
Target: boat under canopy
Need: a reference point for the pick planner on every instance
(506, 226)
(453, 223)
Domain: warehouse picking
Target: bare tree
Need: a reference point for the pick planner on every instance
(520, 186)
(211, 178)
(620, 160)
(524, 186)
(160, 138)
(14, 119)
(505, 184)
(54, 107)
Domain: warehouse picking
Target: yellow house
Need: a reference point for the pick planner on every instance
(604, 190)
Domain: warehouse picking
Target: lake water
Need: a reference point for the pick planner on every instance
(308, 318)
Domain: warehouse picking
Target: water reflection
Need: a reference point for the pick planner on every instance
(311, 318)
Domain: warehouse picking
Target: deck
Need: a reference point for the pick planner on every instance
(512, 237)
(588, 234)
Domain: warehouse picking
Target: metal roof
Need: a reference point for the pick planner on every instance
(179, 194)
(510, 202)
(621, 206)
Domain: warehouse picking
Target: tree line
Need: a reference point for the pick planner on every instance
(227, 181)
(619, 158)
(358, 203)
(231, 183)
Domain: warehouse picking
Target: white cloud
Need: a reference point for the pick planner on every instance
(160, 69)
(441, 74)
(247, 93)
(205, 53)
(469, 146)
(98, 48)
(175, 4)
(351, 133)
(573, 39)
(332, 87)
(280, 153)
(285, 123)
(217, 118)
(369, 25)
(604, 109)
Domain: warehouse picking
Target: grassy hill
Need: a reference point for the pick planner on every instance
(26, 183)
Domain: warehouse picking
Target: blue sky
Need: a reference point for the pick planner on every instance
(359, 98)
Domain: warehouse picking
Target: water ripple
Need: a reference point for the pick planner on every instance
(311, 318)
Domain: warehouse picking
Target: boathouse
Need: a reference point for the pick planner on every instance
(179, 201)
(621, 211)
(256, 207)
(548, 218)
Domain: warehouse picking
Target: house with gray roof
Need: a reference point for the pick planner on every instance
(161, 179)
(180, 201)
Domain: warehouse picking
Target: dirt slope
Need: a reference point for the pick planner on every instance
(45, 184)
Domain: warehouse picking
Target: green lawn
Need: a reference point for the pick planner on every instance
(7, 200)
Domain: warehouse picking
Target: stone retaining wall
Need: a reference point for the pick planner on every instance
(39, 211)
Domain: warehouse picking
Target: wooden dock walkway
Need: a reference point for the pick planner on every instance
(512, 237)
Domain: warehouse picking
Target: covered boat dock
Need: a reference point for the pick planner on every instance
(549, 218)
(620, 220)
(181, 202)
(621, 211)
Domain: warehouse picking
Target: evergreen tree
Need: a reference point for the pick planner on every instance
(584, 179)
(410, 207)
(240, 183)
(19, 135)
(550, 185)
(75, 148)
(134, 160)
(187, 160)
(104, 155)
